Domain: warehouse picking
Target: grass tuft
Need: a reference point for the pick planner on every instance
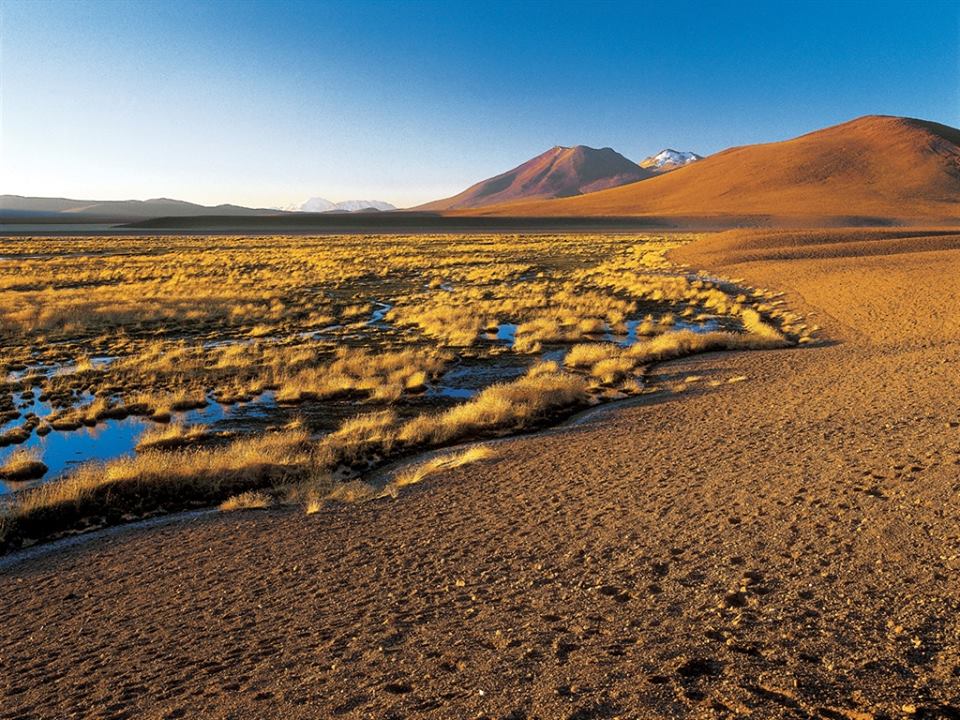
(416, 473)
(23, 464)
(249, 500)
(166, 437)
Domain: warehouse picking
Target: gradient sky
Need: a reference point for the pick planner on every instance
(267, 103)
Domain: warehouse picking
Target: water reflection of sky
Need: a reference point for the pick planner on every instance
(63, 450)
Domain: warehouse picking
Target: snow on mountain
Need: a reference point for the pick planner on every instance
(354, 205)
(669, 159)
(319, 204)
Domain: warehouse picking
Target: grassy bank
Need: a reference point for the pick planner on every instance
(293, 466)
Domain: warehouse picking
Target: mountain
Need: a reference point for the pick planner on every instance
(873, 168)
(364, 205)
(557, 173)
(314, 204)
(25, 209)
(319, 204)
(669, 159)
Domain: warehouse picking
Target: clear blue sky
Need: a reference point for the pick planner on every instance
(264, 103)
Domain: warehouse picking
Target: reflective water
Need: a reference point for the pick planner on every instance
(631, 337)
(62, 450)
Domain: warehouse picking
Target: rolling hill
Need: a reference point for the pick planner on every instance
(559, 172)
(872, 168)
(62, 210)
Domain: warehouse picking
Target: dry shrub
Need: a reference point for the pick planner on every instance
(23, 464)
(416, 473)
(504, 405)
(170, 436)
(686, 342)
(155, 479)
(249, 500)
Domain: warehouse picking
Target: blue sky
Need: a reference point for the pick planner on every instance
(266, 103)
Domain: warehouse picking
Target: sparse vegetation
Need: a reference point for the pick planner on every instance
(171, 436)
(515, 405)
(22, 465)
(250, 500)
(420, 471)
(154, 329)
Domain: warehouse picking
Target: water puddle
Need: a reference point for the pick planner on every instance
(376, 317)
(472, 375)
(506, 333)
(63, 450)
(631, 337)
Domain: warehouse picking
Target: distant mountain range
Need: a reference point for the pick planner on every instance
(319, 204)
(15, 208)
(876, 168)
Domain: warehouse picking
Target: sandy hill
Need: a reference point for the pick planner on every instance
(874, 167)
(559, 172)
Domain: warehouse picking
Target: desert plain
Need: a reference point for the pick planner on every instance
(757, 532)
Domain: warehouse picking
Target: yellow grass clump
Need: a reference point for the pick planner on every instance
(170, 436)
(687, 342)
(420, 471)
(22, 464)
(157, 479)
(249, 500)
(504, 405)
(586, 355)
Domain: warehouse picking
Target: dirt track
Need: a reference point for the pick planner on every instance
(785, 546)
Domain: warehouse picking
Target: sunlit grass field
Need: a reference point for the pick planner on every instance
(322, 357)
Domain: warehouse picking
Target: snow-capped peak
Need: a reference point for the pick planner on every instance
(319, 204)
(354, 205)
(669, 159)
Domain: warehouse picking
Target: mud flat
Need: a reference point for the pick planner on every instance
(781, 544)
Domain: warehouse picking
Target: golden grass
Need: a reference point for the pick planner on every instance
(420, 471)
(612, 370)
(353, 491)
(517, 404)
(190, 319)
(586, 355)
(22, 464)
(158, 479)
(249, 500)
(312, 504)
(680, 343)
(357, 438)
(382, 376)
(171, 436)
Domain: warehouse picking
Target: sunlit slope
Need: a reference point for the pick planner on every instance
(559, 172)
(874, 166)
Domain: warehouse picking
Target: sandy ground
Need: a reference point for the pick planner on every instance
(784, 546)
